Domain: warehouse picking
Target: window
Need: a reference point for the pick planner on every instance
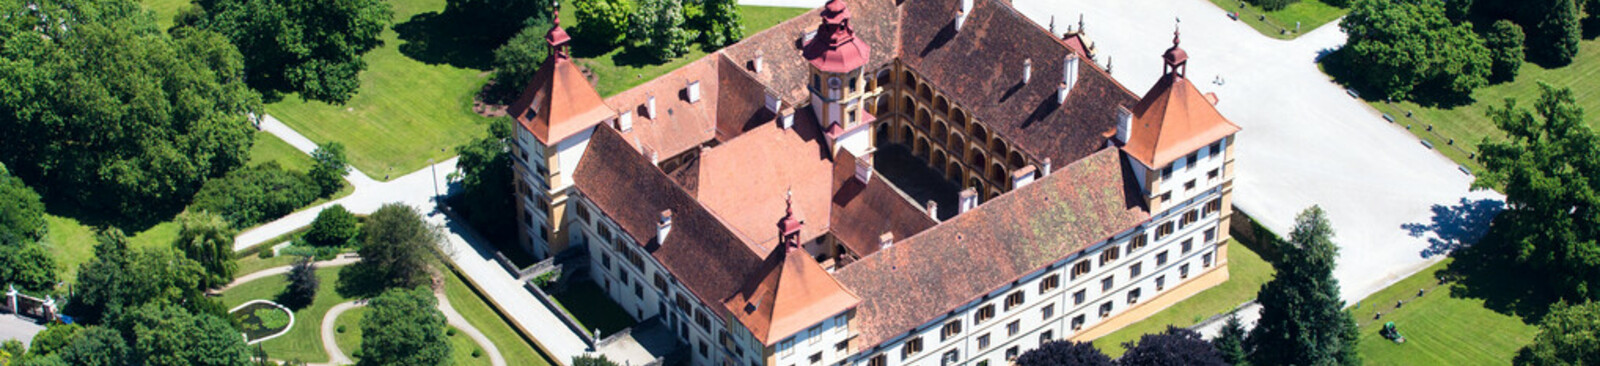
(814, 335)
(1167, 196)
(1189, 162)
(1105, 309)
(852, 115)
(1161, 258)
(1189, 186)
(605, 259)
(638, 291)
(815, 358)
(1077, 322)
(879, 360)
(1138, 242)
(1050, 283)
(1106, 284)
(1161, 283)
(1048, 311)
(1183, 271)
(1205, 260)
(1188, 244)
(842, 346)
(1190, 217)
(1135, 269)
(1212, 175)
(1213, 207)
(1163, 230)
(786, 347)
(816, 82)
(1133, 296)
(983, 341)
(1080, 269)
(701, 320)
(912, 347)
(605, 233)
(1047, 336)
(950, 357)
(1109, 255)
(984, 314)
(661, 283)
(852, 84)
(1078, 297)
(1166, 173)
(1014, 327)
(950, 329)
(1216, 148)
(1013, 300)
(1011, 353)
(1211, 235)
(843, 323)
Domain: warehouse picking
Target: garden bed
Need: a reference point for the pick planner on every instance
(262, 320)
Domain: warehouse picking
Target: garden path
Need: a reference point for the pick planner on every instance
(343, 259)
(456, 320)
(329, 344)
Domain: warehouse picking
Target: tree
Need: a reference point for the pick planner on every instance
(722, 23)
(310, 47)
(96, 346)
(28, 265)
(397, 244)
(657, 31)
(1554, 40)
(207, 239)
(518, 59)
(1569, 335)
(119, 278)
(334, 226)
(329, 168)
(1547, 166)
(1056, 353)
(303, 283)
(109, 114)
(487, 180)
(21, 211)
(1410, 49)
(602, 22)
(53, 338)
(587, 360)
(1176, 346)
(253, 195)
(169, 335)
(1505, 44)
(1302, 318)
(1230, 343)
(498, 20)
(403, 327)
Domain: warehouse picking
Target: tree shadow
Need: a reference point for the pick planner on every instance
(446, 38)
(103, 217)
(636, 57)
(1456, 227)
(360, 281)
(1490, 271)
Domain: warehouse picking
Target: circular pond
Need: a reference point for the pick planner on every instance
(262, 320)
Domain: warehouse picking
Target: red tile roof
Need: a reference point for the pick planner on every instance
(745, 180)
(835, 47)
(559, 102)
(1174, 119)
(876, 22)
(982, 250)
(678, 124)
(863, 212)
(790, 293)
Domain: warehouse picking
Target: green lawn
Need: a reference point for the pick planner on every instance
(251, 263)
(587, 303)
(617, 70)
(302, 342)
(1440, 329)
(1468, 125)
(73, 242)
(350, 339)
(1246, 272)
(269, 147)
(517, 350)
(1309, 14)
(165, 9)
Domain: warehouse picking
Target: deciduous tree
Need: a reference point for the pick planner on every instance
(310, 47)
(207, 239)
(1569, 335)
(722, 23)
(518, 59)
(1505, 43)
(603, 22)
(329, 167)
(21, 211)
(486, 178)
(169, 335)
(303, 283)
(97, 346)
(1064, 353)
(1410, 49)
(397, 244)
(656, 30)
(334, 226)
(1176, 346)
(1555, 35)
(28, 265)
(121, 278)
(403, 327)
(1302, 317)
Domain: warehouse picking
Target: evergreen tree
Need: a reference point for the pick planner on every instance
(1569, 335)
(1302, 318)
(1556, 32)
(207, 239)
(303, 283)
(1505, 43)
(1230, 343)
(657, 31)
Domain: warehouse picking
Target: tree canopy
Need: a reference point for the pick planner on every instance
(657, 30)
(1556, 32)
(403, 327)
(97, 346)
(721, 24)
(303, 283)
(121, 278)
(1176, 346)
(334, 226)
(518, 59)
(397, 244)
(1569, 335)
(171, 336)
(329, 167)
(603, 22)
(112, 115)
(1505, 44)
(309, 47)
(1412, 50)
(486, 180)
(208, 240)
(21, 211)
(1548, 165)
(1302, 317)
(1055, 353)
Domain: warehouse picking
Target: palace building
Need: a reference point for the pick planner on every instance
(881, 182)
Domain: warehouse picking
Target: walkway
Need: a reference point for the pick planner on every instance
(329, 342)
(456, 320)
(18, 328)
(275, 271)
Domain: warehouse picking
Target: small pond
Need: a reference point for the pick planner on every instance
(261, 320)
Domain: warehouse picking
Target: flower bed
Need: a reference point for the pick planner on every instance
(262, 320)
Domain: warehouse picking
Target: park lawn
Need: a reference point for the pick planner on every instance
(1246, 272)
(1309, 14)
(1469, 125)
(73, 242)
(1440, 329)
(270, 148)
(165, 9)
(516, 348)
(406, 112)
(617, 70)
(303, 342)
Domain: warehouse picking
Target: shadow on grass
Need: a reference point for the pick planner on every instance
(360, 281)
(1456, 227)
(447, 38)
(98, 218)
(1490, 271)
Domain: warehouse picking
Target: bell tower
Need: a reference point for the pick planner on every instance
(838, 81)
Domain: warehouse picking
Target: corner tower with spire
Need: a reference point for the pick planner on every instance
(838, 81)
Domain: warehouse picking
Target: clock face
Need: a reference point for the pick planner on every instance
(833, 82)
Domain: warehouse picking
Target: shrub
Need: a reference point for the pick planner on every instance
(250, 196)
(265, 253)
(602, 22)
(450, 332)
(339, 329)
(330, 167)
(477, 352)
(334, 226)
(1505, 44)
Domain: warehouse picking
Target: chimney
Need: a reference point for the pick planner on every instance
(863, 170)
(933, 210)
(755, 63)
(968, 200)
(1023, 177)
(1043, 171)
(664, 226)
(650, 107)
(786, 118)
(773, 103)
(961, 14)
(886, 240)
(1124, 124)
(1027, 70)
(1069, 77)
(693, 91)
(625, 121)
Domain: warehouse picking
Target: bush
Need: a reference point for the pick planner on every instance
(330, 167)
(450, 332)
(1505, 44)
(265, 253)
(1271, 5)
(334, 226)
(602, 22)
(339, 329)
(477, 352)
(656, 29)
(249, 196)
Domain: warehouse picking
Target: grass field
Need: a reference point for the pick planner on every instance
(587, 303)
(461, 346)
(1246, 272)
(617, 70)
(1440, 329)
(1310, 14)
(1468, 125)
(270, 148)
(165, 9)
(513, 346)
(303, 342)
